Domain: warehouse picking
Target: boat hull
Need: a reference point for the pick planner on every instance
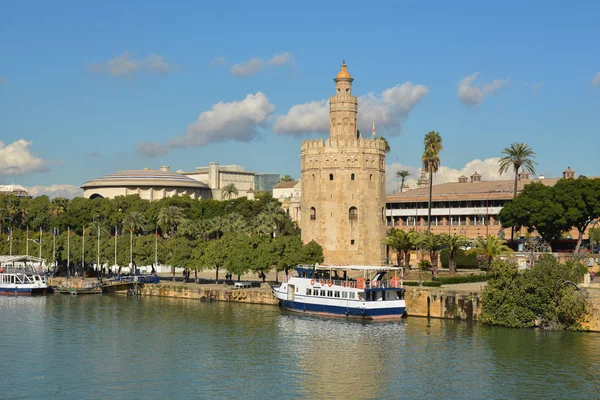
(22, 291)
(340, 311)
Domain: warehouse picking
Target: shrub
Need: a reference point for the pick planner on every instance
(427, 284)
(451, 280)
(463, 259)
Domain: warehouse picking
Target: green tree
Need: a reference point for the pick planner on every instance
(433, 243)
(545, 295)
(517, 156)
(431, 164)
(580, 200)
(536, 208)
(386, 144)
(229, 190)
(286, 178)
(403, 174)
(490, 248)
(171, 217)
(402, 243)
(454, 243)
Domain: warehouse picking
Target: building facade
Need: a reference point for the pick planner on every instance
(265, 182)
(218, 176)
(468, 207)
(14, 190)
(146, 183)
(343, 186)
(289, 194)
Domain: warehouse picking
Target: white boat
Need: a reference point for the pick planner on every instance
(341, 291)
(22, 284)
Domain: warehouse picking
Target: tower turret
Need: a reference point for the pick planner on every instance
(343, 107)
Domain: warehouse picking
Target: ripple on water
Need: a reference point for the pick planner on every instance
(74, 347)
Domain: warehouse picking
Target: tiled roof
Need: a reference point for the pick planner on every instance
(144, 177)
(285, 185)
(467, 191)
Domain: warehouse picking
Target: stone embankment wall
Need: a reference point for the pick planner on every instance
(261, 295)
(442, 303)
(75, 283)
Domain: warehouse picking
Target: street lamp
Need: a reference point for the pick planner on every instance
(449, 208)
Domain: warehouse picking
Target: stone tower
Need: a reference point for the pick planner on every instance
(343, 186)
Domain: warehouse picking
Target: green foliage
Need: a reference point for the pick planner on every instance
(424, 265)
(546, 295)
(594, 235)
(427, 284)
(488, 249)
(453, 280)
(464, 259)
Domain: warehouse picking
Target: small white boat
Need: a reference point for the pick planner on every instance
(337, 291)
(22, 283)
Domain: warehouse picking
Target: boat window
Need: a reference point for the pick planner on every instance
(323, 293)
(344, 295)
(308, 291)
(330, 293)
(336, 294)
(399, 295)
(352, 295)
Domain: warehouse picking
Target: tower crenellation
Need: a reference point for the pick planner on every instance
(343, 185)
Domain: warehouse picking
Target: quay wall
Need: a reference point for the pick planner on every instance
(260, 295)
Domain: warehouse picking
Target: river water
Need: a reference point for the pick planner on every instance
(78, 347)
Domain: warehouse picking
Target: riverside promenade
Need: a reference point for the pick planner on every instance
(460, 301)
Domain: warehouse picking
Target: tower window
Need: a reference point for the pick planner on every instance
(330, 177)
(313, 214)
(352, 242)
(352, 177)
(347, 90)
(313, 176)
(353, 213)
(371, 177)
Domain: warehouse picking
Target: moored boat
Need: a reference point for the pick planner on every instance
(22, 284)
(340, 291)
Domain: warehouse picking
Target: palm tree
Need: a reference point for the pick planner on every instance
(286, 178)
(431, 163)
(270, 220)
(385, 143)
(516, 156)
(216, 225)
(402, 175)
(234, 222)
(454, 243)
(433, 244)
(490, 248)
(402, 242)
(171, 216)
(229, 190)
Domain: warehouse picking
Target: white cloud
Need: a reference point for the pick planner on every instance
(256, 64)
(16, 158)
(304, 118)
(488, 169)
(151, 149)
(218, 61)
(474, 93)
(66, 191)
(247, 68)
(236, 120)
(596, 80)
(125, 65)
(388, 110)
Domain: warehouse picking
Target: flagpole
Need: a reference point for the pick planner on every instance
(130, 249)
(98, 261)
(68, 251)
(116, 234)
(11, 240)
(156, 250)
(40, 245)
(27, 243)
(83, 252)
(54, 247)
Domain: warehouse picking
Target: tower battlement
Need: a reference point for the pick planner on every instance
(361, 143)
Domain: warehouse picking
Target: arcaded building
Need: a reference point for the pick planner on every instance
(146, 183)
(343, 186)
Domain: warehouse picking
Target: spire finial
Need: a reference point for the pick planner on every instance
(343, 62)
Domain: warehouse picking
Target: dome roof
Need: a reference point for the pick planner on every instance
(144, 177)
(343, 74)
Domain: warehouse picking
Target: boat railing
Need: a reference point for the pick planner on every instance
(360, 283)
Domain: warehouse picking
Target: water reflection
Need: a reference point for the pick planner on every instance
(74, 347)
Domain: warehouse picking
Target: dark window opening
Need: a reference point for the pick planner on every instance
(353, 213)
(313, 214)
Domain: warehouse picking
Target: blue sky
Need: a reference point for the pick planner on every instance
(83, 86)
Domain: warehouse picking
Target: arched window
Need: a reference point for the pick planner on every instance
(371, 177)
(330, 177)
(353, 213)
(313, 176)
(313, 214)
(352, 177)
